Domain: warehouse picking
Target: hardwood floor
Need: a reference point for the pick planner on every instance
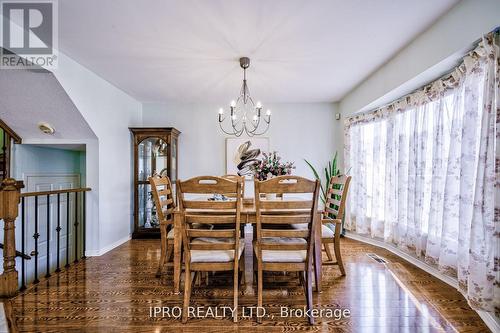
(114, 293)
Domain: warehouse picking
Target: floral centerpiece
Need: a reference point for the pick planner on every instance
(271, 166)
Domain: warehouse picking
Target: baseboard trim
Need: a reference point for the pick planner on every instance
(431, 270)
(490, 320)
(97, 253)
(487, 317)
(92, 253)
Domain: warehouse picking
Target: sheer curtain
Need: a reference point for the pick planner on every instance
(425, 177)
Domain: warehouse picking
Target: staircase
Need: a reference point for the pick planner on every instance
(7, 136)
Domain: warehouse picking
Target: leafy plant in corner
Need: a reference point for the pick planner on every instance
(330, 170)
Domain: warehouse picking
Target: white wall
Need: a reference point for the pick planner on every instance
(297, 131)
(427, 57)
(109, 112)
(29, 159)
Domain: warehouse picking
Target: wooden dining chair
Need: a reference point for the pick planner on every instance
(235, 178)
(280, 249)
(211, 249)
(333, 213)
(163, 198)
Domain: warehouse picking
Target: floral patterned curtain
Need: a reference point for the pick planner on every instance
(427, 171)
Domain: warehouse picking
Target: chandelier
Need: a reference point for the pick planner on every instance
(245, 116)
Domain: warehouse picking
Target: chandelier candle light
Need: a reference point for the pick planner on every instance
(245, 115)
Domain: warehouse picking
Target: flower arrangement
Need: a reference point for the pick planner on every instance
(271, 166)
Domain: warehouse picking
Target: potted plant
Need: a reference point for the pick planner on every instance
(330, 170)
(269, 166)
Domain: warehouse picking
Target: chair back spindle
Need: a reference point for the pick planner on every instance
(336, 196)
(163, 197)
(333, 213)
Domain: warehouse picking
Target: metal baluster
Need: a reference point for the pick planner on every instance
(76, 227)
(58, 230)
(67, 230)
(23, 264)
(84, 207)
(35, 236)
(47, 273)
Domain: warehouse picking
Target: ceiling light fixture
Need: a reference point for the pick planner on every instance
(245, 115)
(46, 128)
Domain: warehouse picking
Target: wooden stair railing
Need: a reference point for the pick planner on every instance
(7, 136)
(18, 253)
(16, 138)
(9, 203)
(75, 224)
(10, 200)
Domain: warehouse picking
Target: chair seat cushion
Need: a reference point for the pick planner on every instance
(170, 234)
(326, 232)
(299, 226)
(283, 255)
(214, 255)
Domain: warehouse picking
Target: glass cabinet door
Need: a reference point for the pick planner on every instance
(152, 159)
(173, 165)
(146, 213)
(173, 168)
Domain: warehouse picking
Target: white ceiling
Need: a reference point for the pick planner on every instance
(187, 51)
(30, 97)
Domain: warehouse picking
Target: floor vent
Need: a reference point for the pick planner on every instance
(376, 258)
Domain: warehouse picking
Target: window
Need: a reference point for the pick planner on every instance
(424, 172)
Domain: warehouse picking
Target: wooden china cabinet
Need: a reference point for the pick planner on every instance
(155, 152)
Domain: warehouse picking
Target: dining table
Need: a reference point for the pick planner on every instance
(247, 216)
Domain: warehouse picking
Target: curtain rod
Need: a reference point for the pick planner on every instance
(447, 74)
